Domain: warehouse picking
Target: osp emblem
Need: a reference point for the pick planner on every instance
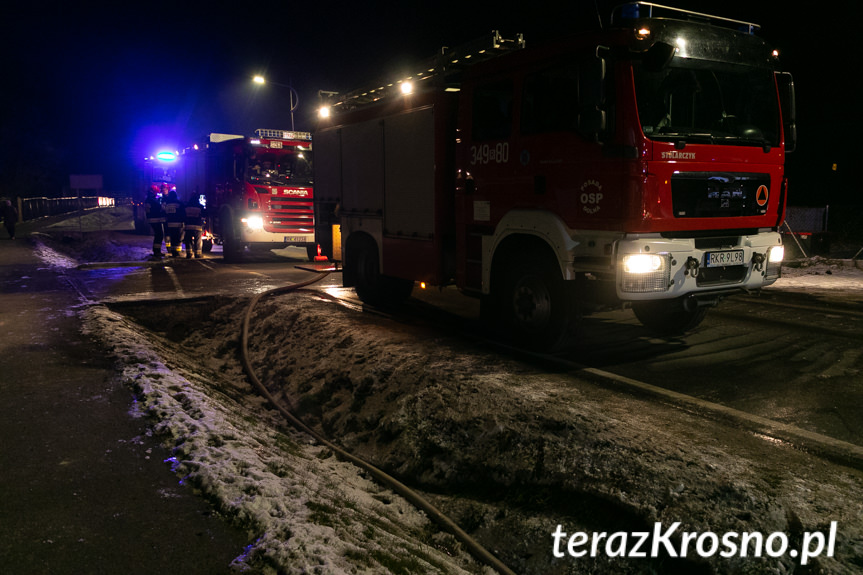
(591, 196)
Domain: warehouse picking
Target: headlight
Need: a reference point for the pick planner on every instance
(774, 263)
(645, 273)
(776, 254)
(642, 263)
(254, 222)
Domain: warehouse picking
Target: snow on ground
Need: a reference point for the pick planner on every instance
(445, 414)
(822, 276)
(450, 414)
(305, 511)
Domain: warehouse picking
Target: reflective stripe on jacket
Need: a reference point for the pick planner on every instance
(194, 217)
(153, 209)
(174, 214)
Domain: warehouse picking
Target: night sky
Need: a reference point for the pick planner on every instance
(92, 88)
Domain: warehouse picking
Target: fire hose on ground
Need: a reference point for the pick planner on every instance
(473, 547)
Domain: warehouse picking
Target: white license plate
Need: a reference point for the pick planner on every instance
(727, 258)
(290, 239)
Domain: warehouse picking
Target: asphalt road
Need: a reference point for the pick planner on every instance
(83, 487)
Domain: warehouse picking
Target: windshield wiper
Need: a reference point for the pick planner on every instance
(680, 139)
(760, 142)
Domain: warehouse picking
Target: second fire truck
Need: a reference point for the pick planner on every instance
(257, 190)
(641, 164)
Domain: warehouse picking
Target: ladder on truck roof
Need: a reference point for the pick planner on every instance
(440, 67)
(282, 134)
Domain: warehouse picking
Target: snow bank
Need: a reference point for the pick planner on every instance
(819, 275)
(305, 511)
(449, 414)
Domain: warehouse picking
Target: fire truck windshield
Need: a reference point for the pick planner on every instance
(288, 168)
(158, 173)
(696, 101)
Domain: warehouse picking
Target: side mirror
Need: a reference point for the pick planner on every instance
(592, 116)
(592, 121)
(788, 104)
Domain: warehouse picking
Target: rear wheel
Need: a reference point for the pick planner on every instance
(534, 303)
(670, 317)
(373, 287)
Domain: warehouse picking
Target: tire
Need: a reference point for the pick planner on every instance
(669, 317)
(373, 287)
(232, 248)
(534, 303)
(311, 252)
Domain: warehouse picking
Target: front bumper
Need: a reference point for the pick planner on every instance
(653, 267)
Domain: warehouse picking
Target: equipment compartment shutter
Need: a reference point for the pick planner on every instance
(362, 168)
(410, 174)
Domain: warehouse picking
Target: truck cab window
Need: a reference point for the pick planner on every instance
(284, 168)
(708, 103)
(550, 102)
(492, 111)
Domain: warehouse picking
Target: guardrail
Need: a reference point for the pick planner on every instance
(35, 208)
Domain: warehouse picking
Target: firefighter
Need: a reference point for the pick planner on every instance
(193, 227)
(10, 217)
(156, 219)
(174, 218)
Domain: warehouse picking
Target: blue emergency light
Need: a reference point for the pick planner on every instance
(166, 156)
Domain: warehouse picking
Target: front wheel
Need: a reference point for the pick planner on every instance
(670, 317)
(232, 247)
(534, 302)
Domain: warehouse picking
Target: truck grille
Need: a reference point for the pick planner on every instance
(721, 276)
(290, 215)
(719, 194)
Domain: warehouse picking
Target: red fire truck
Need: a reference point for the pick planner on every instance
(257, 190)
(642, 165)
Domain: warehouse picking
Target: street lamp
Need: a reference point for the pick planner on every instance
(295, 97)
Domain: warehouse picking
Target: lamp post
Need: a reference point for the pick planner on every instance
(295, 97)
